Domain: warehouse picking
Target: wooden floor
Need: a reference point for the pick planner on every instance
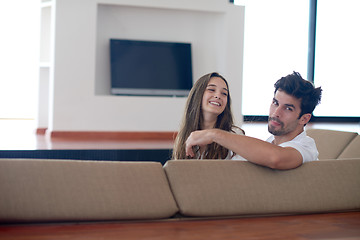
(334, 226)
(20, 135)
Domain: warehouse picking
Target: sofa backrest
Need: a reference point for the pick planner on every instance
(216, 188)
(68, 190)
(332, 143)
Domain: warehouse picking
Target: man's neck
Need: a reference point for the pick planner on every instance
(286, 138)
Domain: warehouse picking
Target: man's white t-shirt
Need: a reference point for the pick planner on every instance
(303, 143)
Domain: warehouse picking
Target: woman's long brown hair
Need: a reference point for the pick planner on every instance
(193, 119)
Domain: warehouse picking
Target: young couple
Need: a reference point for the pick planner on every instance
(208, 132)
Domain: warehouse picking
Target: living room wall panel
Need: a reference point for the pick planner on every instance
(79, 92)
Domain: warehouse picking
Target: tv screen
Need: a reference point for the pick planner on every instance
(150, 68)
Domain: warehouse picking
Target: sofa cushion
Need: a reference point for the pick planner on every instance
(214, 188)
(68, 190)
(330, 143)
(352, 150)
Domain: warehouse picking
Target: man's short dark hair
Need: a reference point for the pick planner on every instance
(293, 84)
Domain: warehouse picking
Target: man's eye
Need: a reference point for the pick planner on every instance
(290, 109)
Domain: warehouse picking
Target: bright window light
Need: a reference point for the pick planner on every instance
(337, 57)
(19, 24)
(275, 45)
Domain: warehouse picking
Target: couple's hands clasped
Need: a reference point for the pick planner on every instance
(198, 138)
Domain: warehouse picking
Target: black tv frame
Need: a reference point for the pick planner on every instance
(150, 68)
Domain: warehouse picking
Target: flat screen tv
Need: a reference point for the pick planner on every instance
(150, 68)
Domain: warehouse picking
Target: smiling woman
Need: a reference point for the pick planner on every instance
(208, 106)
(214, 101)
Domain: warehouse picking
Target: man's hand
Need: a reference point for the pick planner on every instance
(198, 138)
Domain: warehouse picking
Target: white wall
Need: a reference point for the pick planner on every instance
(79, 95)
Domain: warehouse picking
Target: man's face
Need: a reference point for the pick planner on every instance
(284, 114)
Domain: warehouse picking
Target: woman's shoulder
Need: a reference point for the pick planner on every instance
(237, 130)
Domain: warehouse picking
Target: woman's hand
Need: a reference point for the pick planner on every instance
(198, 138)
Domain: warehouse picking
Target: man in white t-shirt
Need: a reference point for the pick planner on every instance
(294, 101)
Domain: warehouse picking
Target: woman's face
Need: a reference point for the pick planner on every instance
(215, 96)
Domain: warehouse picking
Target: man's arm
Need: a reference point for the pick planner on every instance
(252, 149)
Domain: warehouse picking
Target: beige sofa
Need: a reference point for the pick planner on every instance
(74, 190)
(335, 144)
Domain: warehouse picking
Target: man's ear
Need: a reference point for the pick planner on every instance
(305, 118)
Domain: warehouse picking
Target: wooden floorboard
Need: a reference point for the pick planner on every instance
(331, 226)
(22, 135)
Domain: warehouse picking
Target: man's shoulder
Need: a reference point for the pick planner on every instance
(299, 141)
(270, 139)
(300, 138)
(303, 137)
(305, 145)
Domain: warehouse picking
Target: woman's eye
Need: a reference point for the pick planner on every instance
(225, 94)
(211, 90)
